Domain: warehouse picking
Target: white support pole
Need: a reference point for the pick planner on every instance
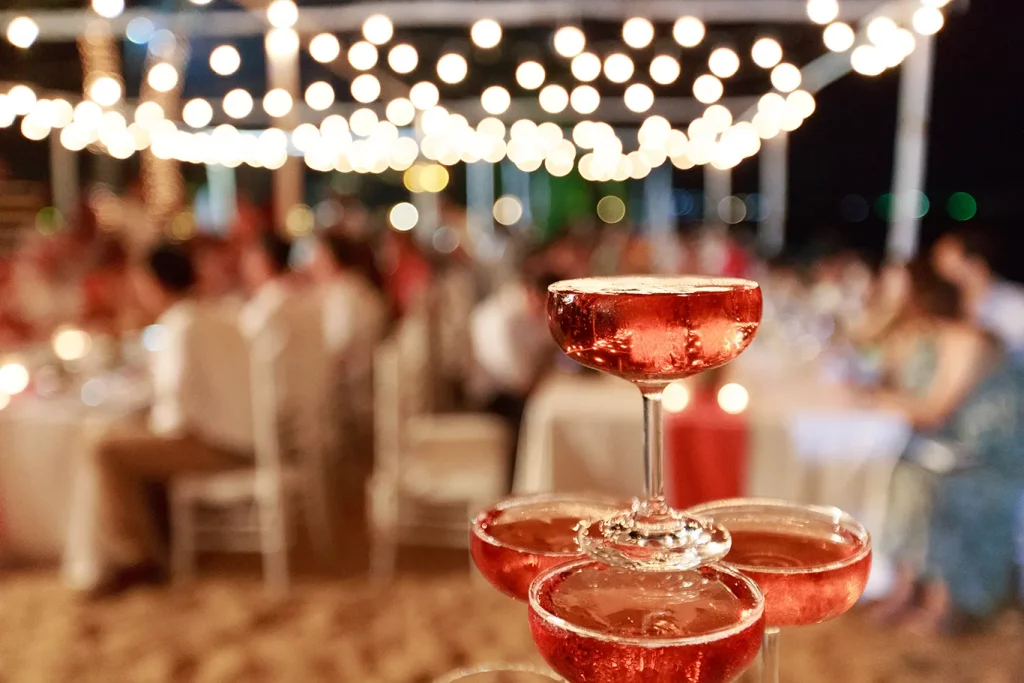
(480, 201)
(283, 72)
(774, 180)
(911, 147)
(63, 178)
(427, 204)
(717, 187)
(659, 220)
(517, 183)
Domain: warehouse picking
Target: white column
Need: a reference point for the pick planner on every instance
(480, 199)
(222, 195)
(659, 220)
(283, 72)
(774, 179)
(517, 183)
(717, 186)
(911, 147)
(427, 204)
(63, 177)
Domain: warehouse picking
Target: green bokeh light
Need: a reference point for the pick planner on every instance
(962, 206)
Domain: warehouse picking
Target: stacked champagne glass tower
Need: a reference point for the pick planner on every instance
(648, 593)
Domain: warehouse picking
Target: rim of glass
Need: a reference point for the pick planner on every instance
(691, 280)
(838, 516)
(464, 672)
(756, 613)
(518, 501)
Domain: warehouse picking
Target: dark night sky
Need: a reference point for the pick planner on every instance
(846, 147)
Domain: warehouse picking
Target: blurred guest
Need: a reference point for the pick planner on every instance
(15, 330)
(196, 424)
(271, 283)
(953, 384)
(967, 259)
(104, 288)
(408, 271)
(217, 278)
(47, 283)
(512, 348)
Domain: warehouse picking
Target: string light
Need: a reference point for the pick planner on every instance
(277, 102)
(766, 53)
(319, 95)
(618, 68)
(718, 117)
(281, 42)
(928, 21)
(365, 88)
(105, 91)
(585, 99)
(530, 75)
(162, 77)
(108, 9)
(486, 33)
(424, 95)
(507, 210)
(378, 29)
(723, 62)
(324, 48)
(400, 111)
(237, 104)
(733, 398)
(802, 102)
(839, 37)
(146, 114)
(637, 32)
(822, 11)
(707, 89)
(881, 29)
(403, 216)
(362, 121)
(688, 31)
(569, 41)
(553, 99)
(13, 378)
(197, 113)
(362, 55)
(452, 68)
(62, 113)
(867, 60)
(22, 32)
(282, 13)
(225, 60)
(585, 67)
(638, 98)
(664, 69)
(495, 100)
(403, 58)
(786, 77)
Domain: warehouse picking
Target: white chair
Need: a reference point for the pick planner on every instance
(429, 469)
(289, 372)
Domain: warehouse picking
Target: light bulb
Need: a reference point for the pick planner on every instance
(664, 69)
(585, 67)
(880, 29)
(146, 114)
(22, 32)
(486, 33)
(766, 53)
(839, 37)
(569, 41)
(928, 21)
(867, 60)
(495, 100)
(108, 9)
(403, 216)
(424, 95)
(452, 68)
(530, 75)
(718, 117)
(403, 58)
(618, 68)
(282, 13)
(225, 60)
(277, 102)
(822, 11)
(319, 95)
(324, 48)
(13, 378)
(585, 99)
(507, 210)
(237, 104)
(362, 55)
(638, 98)
(786, 77)
(197, 113)
(105, 91)
(281, 42)
(553, 99)
(365, 88)
(162, 77)
(688, 31)
(723, 62)
(637, 32)
(707, 89)
(802, 102)
(362, 121)
(400, 111)
(378, 29)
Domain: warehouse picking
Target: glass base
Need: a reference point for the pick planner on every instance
(655, 537)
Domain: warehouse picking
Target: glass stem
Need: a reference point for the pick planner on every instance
(654, 459)
(770, 656)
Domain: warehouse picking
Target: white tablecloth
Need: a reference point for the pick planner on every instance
(40, 440)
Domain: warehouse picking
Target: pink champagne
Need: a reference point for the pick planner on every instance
(516, 540)
(645, 328)
(598, 624)
(806, 578)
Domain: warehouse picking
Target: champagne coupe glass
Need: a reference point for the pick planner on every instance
(652, 331)
(518, 538)
(598, 623)
(811, 562)
(502, 673)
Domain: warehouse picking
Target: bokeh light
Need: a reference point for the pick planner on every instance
(962, 206)
(485, 33)
(688, 31)
(675, 397)
(637, 32)
(766, 53)
(508, 210)
(530, 75)
(14, 378)
(569, 41)
(403, 58)
(665, 69)
(611, 209)
(733, 398)
(324, 48)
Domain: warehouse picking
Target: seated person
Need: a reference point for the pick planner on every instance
(200, 421)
